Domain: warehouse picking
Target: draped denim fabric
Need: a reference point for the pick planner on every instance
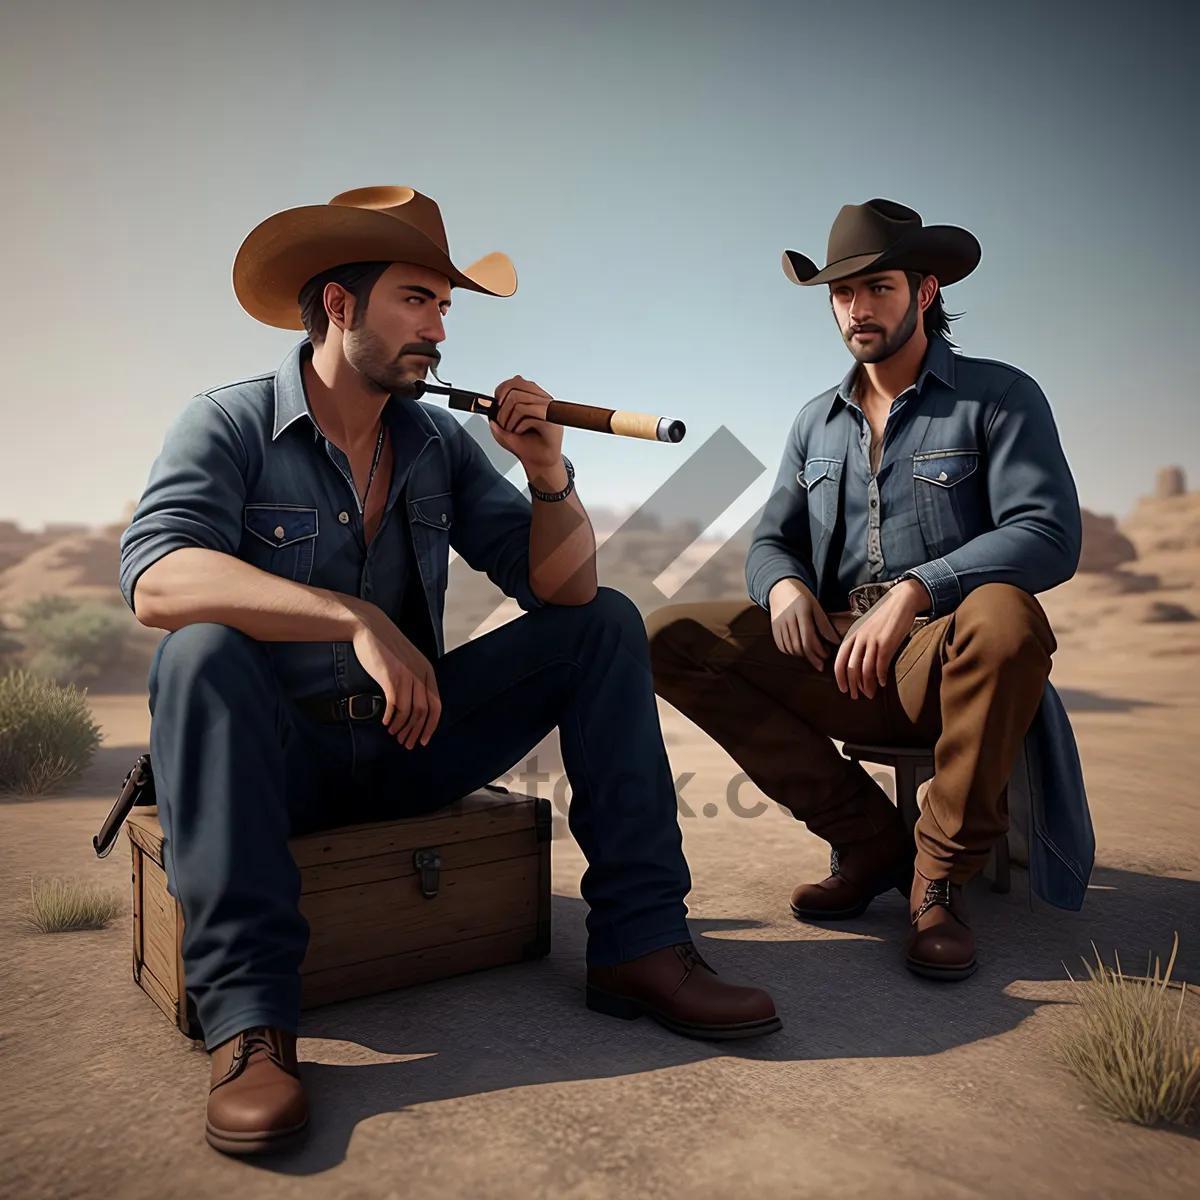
(972, 488)
(245, 470)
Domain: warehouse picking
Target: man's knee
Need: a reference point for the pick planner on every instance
(678, 636)
(610, 604)
(1006, 623)
(611, 611)
(208, 651)
(663, 626)
(704, 633)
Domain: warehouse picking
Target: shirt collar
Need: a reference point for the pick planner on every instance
(938, 362)
(291, 400)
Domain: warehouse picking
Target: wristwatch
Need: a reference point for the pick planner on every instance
(557, 495)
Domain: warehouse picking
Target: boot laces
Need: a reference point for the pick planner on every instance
(690, 957)
(937, 894)
(262, 1041)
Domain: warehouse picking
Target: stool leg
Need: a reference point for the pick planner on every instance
(906, 793)
(1002, 881)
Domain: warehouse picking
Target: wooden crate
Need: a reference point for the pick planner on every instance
(377, 921)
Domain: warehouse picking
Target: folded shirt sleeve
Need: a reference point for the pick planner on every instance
(195, 494)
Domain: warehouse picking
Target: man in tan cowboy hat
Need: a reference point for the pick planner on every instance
(920, 505)
(294, 541)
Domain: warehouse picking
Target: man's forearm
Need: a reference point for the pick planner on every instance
(193, 585)
(1034, 558)
(562, 545)
(767, 564)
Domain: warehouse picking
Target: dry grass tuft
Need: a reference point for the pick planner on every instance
(1131, 1047)
(67, 905)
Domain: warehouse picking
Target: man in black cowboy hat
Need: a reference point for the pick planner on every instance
(294, 541)
(919, 507)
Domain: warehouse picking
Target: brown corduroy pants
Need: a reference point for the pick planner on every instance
(967, 684)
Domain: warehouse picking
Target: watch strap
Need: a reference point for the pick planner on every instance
(560, 495)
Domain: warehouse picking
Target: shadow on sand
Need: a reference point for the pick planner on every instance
(1075, 700)
(841, 996)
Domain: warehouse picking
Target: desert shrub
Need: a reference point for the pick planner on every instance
(1131, 1048)
(47, 734)
(65, 905)
(75, 643)
(49, 604)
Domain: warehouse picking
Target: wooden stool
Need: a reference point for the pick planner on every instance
(913, 765)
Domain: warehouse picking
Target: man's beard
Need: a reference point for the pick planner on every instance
(888, 343)
(370, 356)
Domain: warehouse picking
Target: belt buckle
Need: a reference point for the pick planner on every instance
(372, 701)
(865, 596)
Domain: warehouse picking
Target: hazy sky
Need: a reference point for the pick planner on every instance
(644, 165)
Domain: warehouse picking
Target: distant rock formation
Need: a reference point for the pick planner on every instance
(17, 543)
(82, 565)
(1104, 546)
(1164, 524)
(1169, 483)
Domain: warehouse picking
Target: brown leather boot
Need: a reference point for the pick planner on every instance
(857, 874)
(256, 1103)
(678, 989)
(942, 945)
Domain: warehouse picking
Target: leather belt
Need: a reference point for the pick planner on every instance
(362, 706)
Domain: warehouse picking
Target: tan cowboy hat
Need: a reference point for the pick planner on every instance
(373, 224)
(887, 236)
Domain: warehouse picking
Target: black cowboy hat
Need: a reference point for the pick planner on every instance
(887, 236)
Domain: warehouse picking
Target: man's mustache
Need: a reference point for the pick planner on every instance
(426, 348)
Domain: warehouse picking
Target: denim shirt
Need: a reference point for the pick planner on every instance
(245, 470)
(973, 487)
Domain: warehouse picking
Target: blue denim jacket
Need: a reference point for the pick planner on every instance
(244, 470)
(974, 488)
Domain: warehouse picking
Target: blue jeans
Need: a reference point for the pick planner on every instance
(239, 770)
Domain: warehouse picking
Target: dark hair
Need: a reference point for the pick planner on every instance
(936, 318)
(357, 278)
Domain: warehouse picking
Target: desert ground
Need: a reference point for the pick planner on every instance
(502, 1084)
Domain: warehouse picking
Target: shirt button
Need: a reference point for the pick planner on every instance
(344, 517)
(443, 518)
(279, 531)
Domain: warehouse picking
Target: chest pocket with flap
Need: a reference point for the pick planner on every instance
(945, 468)
(283, 539)
(434, 511)
(951, 506)
(820, 479)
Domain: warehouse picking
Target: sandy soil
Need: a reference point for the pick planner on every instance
(503, 1084)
